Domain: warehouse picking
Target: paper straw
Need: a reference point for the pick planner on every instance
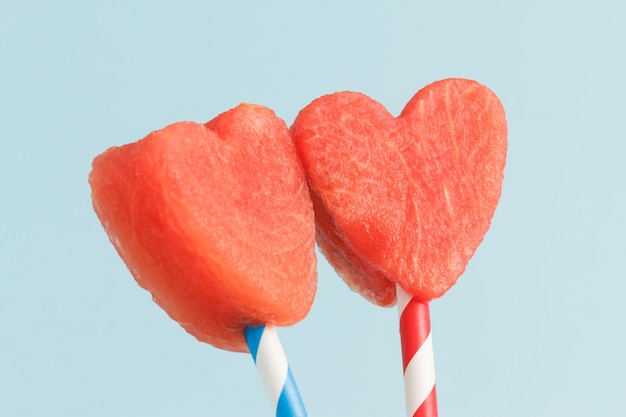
(271, 363)
(417, 356)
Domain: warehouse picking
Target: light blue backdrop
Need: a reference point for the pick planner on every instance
(534, 327)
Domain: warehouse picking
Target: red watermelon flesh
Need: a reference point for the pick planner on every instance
(403, 200)
(215, 221)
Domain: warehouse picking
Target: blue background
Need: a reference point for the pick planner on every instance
(535, 326)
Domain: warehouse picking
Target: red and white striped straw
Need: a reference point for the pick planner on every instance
(417, 356)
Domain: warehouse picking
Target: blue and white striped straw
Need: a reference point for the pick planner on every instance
(271, 363)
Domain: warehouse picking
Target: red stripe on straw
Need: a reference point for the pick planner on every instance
(414, 329)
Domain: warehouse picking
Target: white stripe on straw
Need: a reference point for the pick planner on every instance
(419, 376)
(271, 362)
(403, 299)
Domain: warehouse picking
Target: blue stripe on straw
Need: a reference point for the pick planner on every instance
(288, 402)
(253, 338)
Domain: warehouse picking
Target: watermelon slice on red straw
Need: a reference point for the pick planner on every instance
(402, 203)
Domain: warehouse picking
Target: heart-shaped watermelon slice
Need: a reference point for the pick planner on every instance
(215, 221)
(403, 200)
